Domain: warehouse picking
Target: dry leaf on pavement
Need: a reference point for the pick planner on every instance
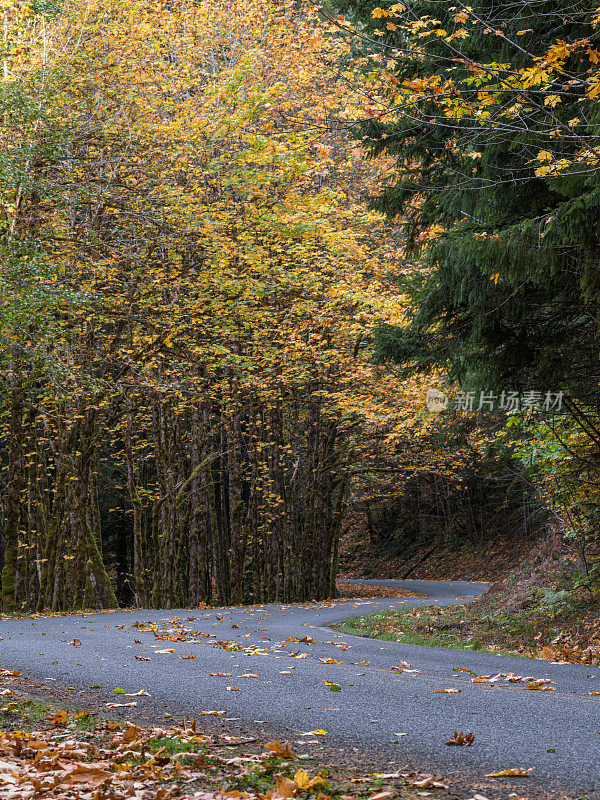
(461, 739)
(515, 771)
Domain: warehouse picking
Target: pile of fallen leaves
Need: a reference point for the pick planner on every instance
(347, 589)
(71, 756)
(111, 761)
(578, 644)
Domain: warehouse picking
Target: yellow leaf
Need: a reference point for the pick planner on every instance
(283, 751)
(508, 772)
(552, 100)
(302, 778)
(304, 781)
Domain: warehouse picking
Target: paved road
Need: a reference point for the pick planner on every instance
(513, 727)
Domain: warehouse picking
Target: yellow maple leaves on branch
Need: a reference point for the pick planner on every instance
(497, 95)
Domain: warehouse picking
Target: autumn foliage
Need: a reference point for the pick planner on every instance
(193, 280)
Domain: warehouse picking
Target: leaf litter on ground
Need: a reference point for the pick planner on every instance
(109, 760)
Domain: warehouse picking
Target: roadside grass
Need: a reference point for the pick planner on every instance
(29, 712)
(453, 628)
(173, 744)
(430, 627)
(533, 628)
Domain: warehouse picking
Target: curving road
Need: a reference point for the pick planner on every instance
(398, 715)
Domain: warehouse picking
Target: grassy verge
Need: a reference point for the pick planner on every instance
(432, 627)
(568, 632)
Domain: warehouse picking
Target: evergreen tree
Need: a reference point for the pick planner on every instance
(509, 296)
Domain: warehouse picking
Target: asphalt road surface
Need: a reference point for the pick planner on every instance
(280, 684)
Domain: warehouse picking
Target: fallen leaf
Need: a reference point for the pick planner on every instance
(285, 787)
(461, 739)
(75, 643)
(191, 655)
(516, 771)
(120, 705)
(304, 781)
(449, 691)
(428, 783)
(541, 685)
(131, 733)
(60, 718)
(90, 774)
(166, 650)
(283, 751)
